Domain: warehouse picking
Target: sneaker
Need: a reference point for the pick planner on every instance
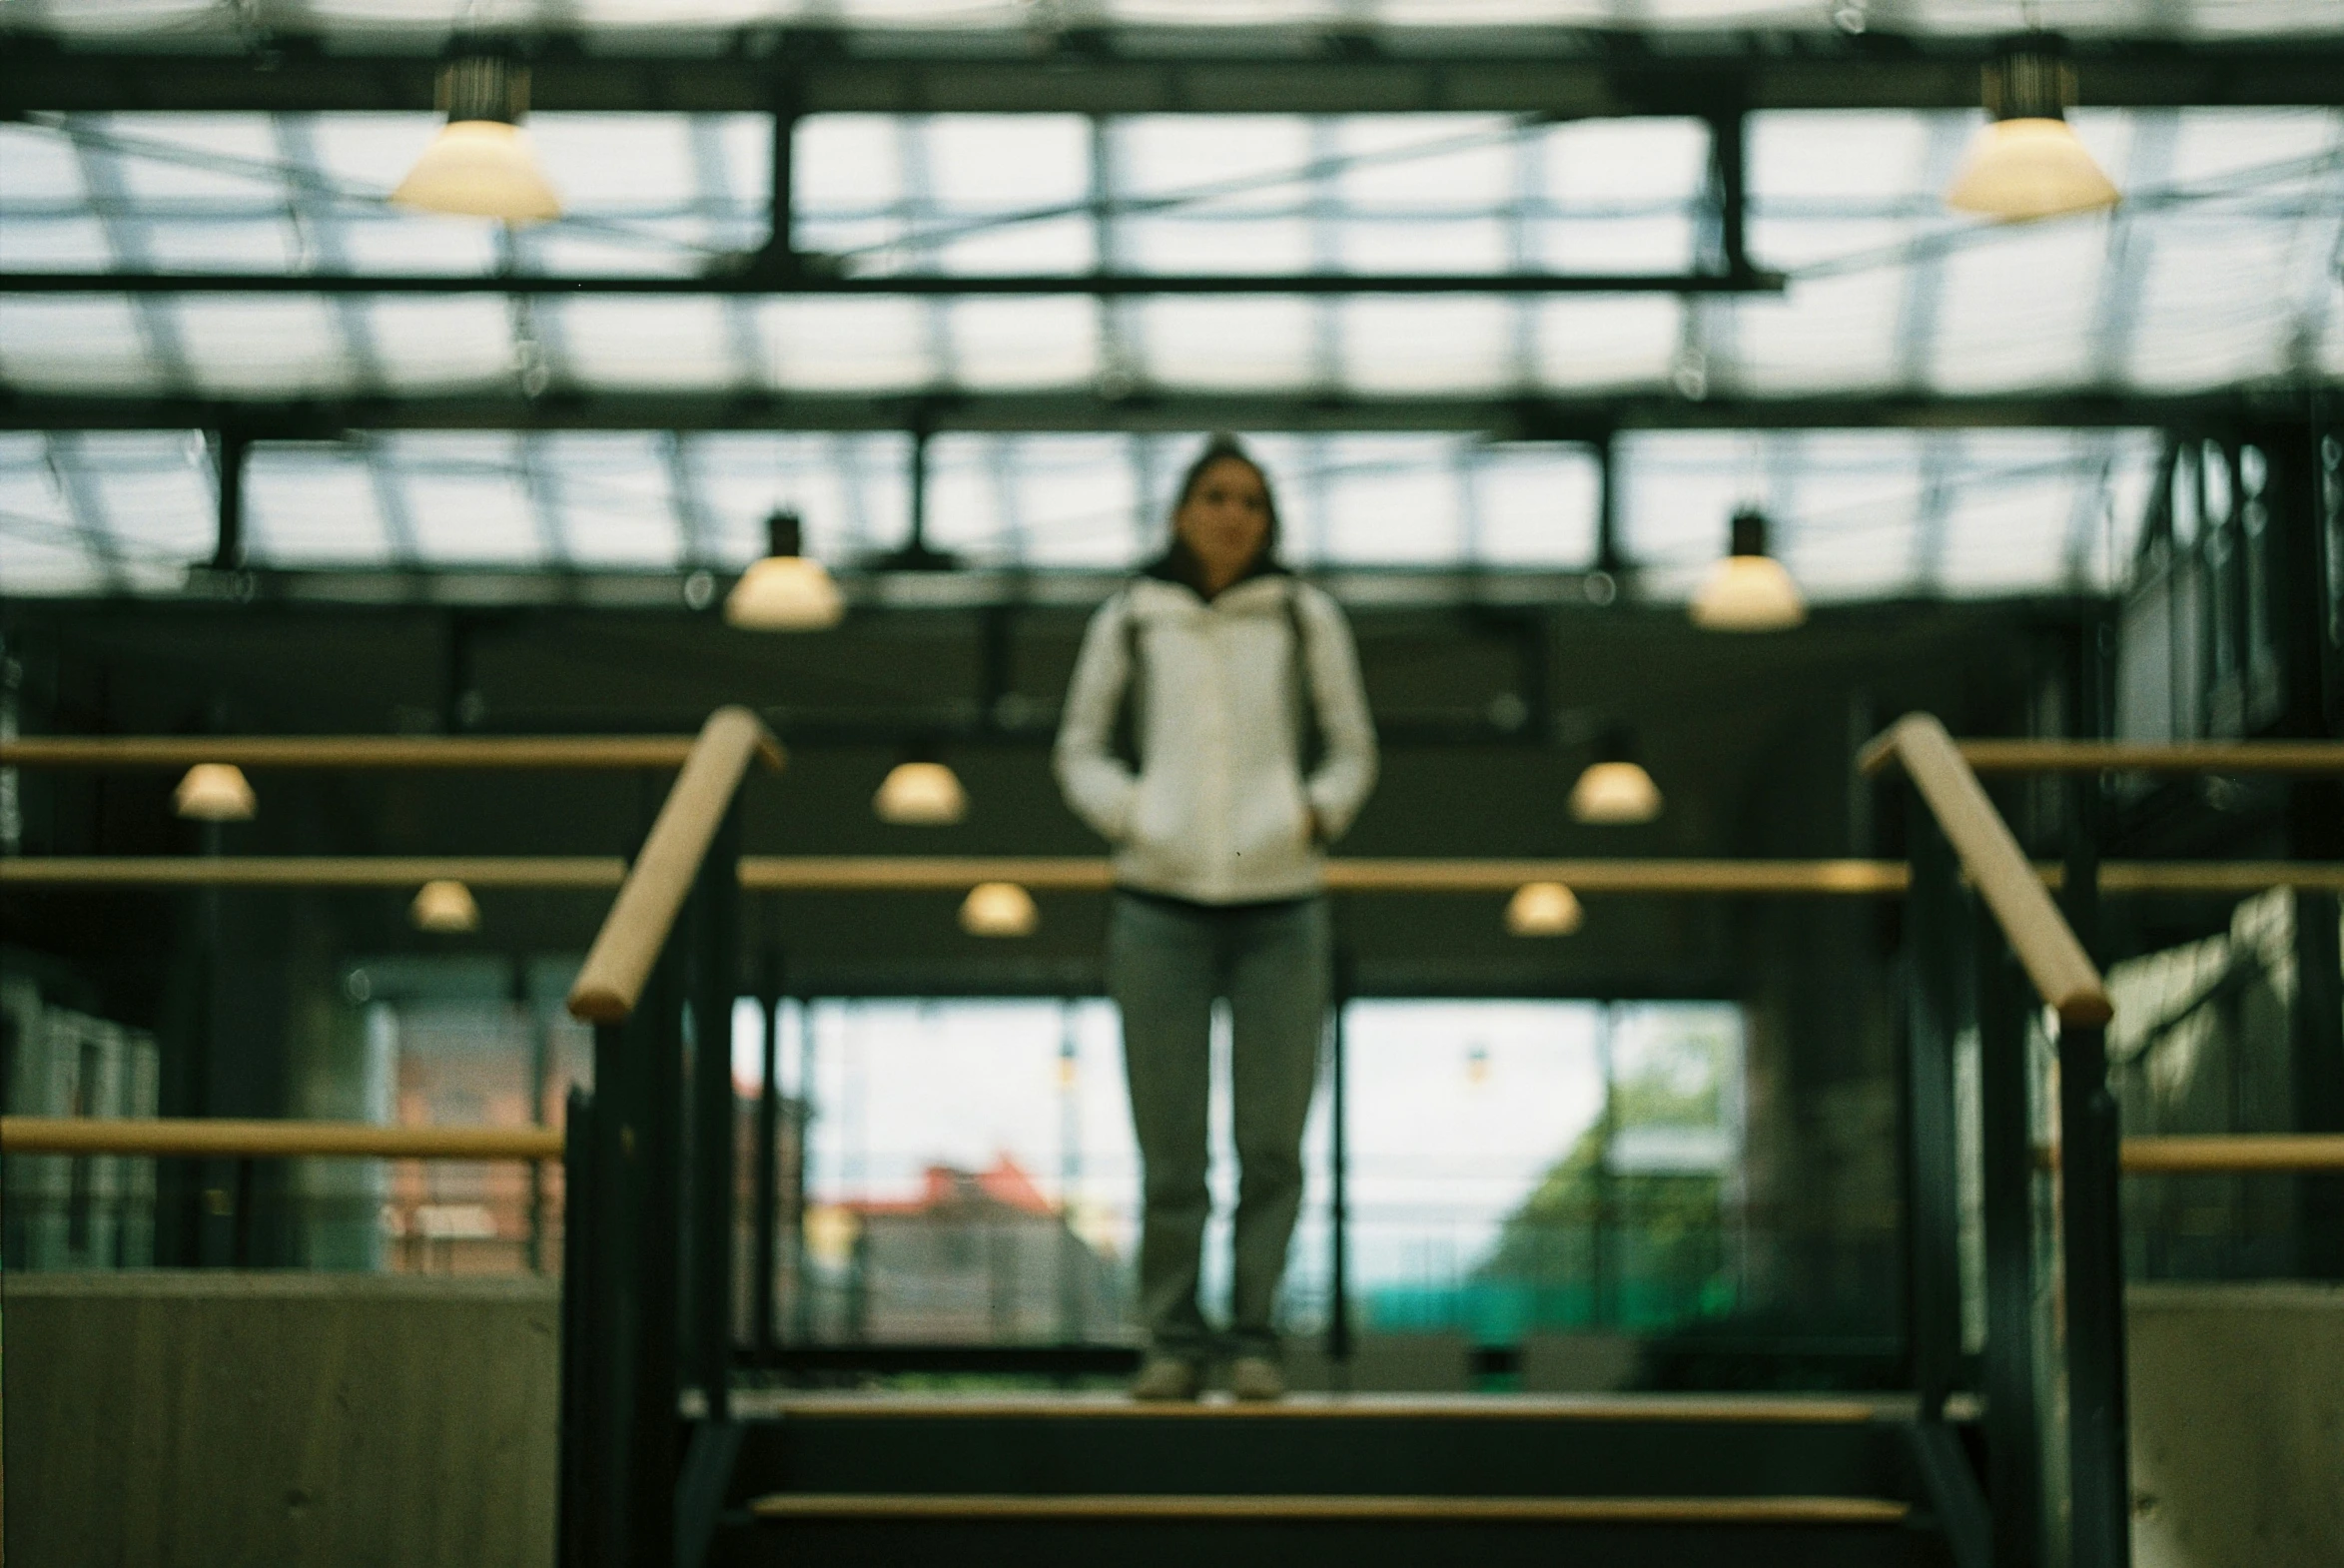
(1256, 1377)
(1167, 1377)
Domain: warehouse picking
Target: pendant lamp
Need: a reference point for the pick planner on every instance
(215, 792)
(1748, 590)
(480, 165)
(920, 792)
(1615, 790)
(999, 909)
(444, 906)
(2028, 163)
(786, 590)
(1542, 909)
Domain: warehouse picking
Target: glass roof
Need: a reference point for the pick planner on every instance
(2220, 269)
(1858, 515)
(2150, 17)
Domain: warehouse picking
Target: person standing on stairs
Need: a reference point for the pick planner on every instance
(1226, 665)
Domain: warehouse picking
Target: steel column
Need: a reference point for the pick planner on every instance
(1338, 1262)
(1933, 1203)
(2013, 1421)
(714, 1120)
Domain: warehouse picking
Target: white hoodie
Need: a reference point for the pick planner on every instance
(1219, 812)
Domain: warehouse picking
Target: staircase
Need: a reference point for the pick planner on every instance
(1360, 1480)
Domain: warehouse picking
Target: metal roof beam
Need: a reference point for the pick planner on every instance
(1501, 418)
(1564, 72)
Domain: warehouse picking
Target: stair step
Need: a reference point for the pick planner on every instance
(1460, 1510)
(1767, 1409)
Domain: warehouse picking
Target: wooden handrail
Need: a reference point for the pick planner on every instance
(2124, 756)
(2234, 1153)
(1090, 874)
(212, 1138)
(640, 916)
(361, 751)
(314, 871)
(208, 1138)
(2055, 960)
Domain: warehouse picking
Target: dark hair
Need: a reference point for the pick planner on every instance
(1220, 447)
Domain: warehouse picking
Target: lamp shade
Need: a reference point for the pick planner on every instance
(1542, 909)
(445, 907)
(480, 165)
(2018, 170)
(479, 169)
(1612, 793)
(784, 591)
(999, 909)
(1748, 590)
(215, 792)
(1748, 594)
(921, 794)
(2028, 163)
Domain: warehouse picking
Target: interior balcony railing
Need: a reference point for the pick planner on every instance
(653, 1341)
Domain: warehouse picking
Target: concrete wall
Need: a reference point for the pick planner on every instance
(169, 1420)
(2237, 1425)
(190, 1420)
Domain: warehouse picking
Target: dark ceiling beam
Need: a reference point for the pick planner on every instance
(1586, 418)
(757, 281)
(1563, 72)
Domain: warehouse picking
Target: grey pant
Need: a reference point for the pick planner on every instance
(1166, 965)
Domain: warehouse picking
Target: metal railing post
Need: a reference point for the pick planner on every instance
(714, 1117)
(2014, 1419)
(1933, 1197)
(1338, 1262)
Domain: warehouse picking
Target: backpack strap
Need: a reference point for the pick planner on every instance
(1127, 724)
(1309, 737)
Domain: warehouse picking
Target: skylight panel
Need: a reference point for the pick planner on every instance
(313, 505)
(370, 153)
(1392, 500)
(393, 241)
(41, 558)
(1838, 163)
(468, 500)
(261, 245)
(155, 499)
(2224, 301)
(1057, 245)
(848, 344)
(1079, 502)
(75, 342)
(2019, 307)
(1607, 163)
(1424, 246)
(434, 345)
(54, 244)
(1534, 506)
(1208, 243)
(42, 170)
(228, 158)
(1416, 163)
(1232, 344)
(996, 163)
(745, 478)
(1249, 163)
(1829, 334)
(1677, 494)
(2245, 149)
(600, 162)
(1587, 342)
(1049, 341)
(256, 343)
(611, 501)
(2007, 528)
(676, 343)
(968, 512)
(846, 165)
(1401, 343)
